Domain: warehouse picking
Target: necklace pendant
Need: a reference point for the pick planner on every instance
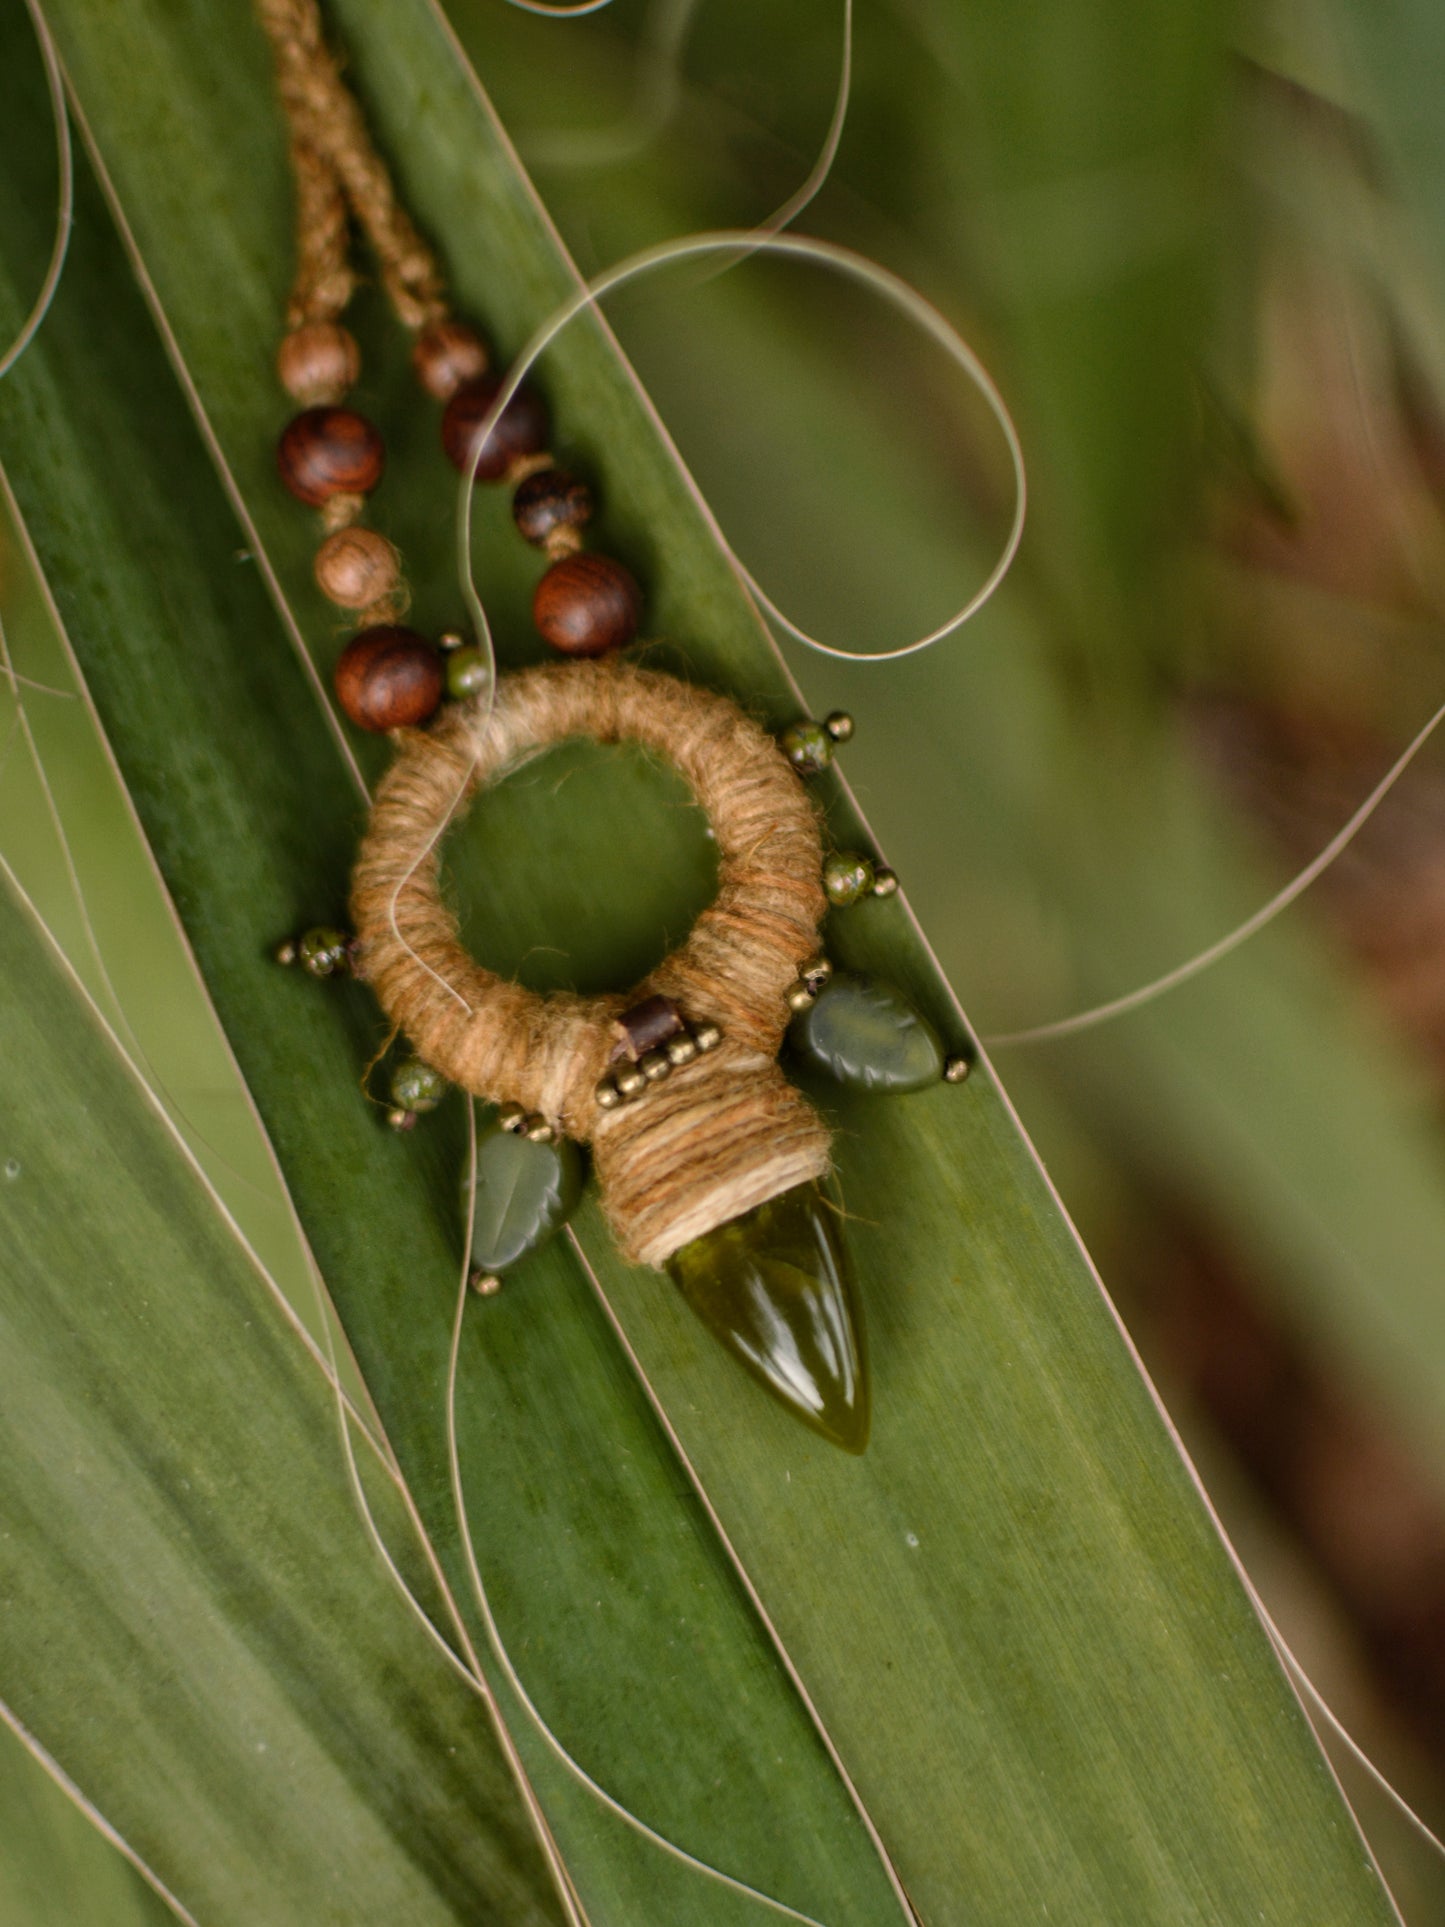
(775, 1287)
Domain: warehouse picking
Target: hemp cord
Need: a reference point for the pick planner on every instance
(723, 1133)
(337, 165)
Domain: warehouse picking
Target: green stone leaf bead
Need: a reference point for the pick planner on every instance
(525, 1192)
(415, 1086)
(867, 1035)
(322, 951)
(848, 877)
(468, 673)
(776, 1288)
(807, 746)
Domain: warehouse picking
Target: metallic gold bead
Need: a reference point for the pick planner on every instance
(286, 952)
(839, 725)
(681, 1049)
(815, 972)
(800, 995)
(401, 1120)
(885, 883)
(451, 639)
(655, 1065)
(512, 1117)
(607, 1094)
(956, 1069)
(631, 1081)
(485, 1284)
(537, 1130)
(707, 1035)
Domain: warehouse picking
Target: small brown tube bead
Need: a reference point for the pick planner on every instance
(356, 567)
(318, 362)
(388, 678)
(521, 431)
(330, 451)
(548, 501)
(587, 604)
(447, 354)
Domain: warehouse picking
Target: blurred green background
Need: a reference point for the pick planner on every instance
(1201, 252)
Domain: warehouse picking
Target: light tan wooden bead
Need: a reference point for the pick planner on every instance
(318, 362)
(356, 568)
(447, 354)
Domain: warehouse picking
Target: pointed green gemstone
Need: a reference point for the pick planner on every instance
(525, 1193)
(776, 1288)
(868, 1035)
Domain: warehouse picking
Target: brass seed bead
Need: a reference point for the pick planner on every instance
(681, 1049)
(324, 452)
(586, 605)
(537, 1130)
(956, 1069)
(707, 1036)
(801, 995)
(630, 1081)
(486, 1284)
(521, 430)
(885, 883)
(318, 362)
(839, 726)
(388, 678)
(815, 971)
(357, 567)
(655, 1065)
(511, 1117)
(445, 355)
(607, 1094)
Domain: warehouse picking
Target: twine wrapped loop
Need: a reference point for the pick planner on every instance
(723, 1133)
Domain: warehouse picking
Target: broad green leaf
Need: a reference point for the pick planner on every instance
(56, 1870)
(193, 1625)
(1012, 1616)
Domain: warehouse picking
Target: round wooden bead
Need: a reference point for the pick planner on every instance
(522, 429)
(388, 678)
(330, 451)
(587, 604)
(548, 501)
(318, 362)
(356, 567)
(447, 354)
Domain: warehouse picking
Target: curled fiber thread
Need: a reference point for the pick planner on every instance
(724, 1133)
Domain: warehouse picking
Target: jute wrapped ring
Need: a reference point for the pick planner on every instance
(726, 1133)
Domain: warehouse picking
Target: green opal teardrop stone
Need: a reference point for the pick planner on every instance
(868, 1035)
(525, 1193)
(775, 1286)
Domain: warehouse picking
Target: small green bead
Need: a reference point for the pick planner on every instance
(322, 951)
(415, 1086)
(807, 746)
(847, 877)
(468, 673)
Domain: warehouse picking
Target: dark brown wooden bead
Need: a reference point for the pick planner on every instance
(388, 678)
(318, 362)
(330, 451)
(521, 431)
(550, 500)
(447, 354)
(586, 605)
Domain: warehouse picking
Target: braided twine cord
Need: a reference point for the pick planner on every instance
(338, 170)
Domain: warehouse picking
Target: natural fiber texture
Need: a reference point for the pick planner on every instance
(336, 164)
(722, 1134)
